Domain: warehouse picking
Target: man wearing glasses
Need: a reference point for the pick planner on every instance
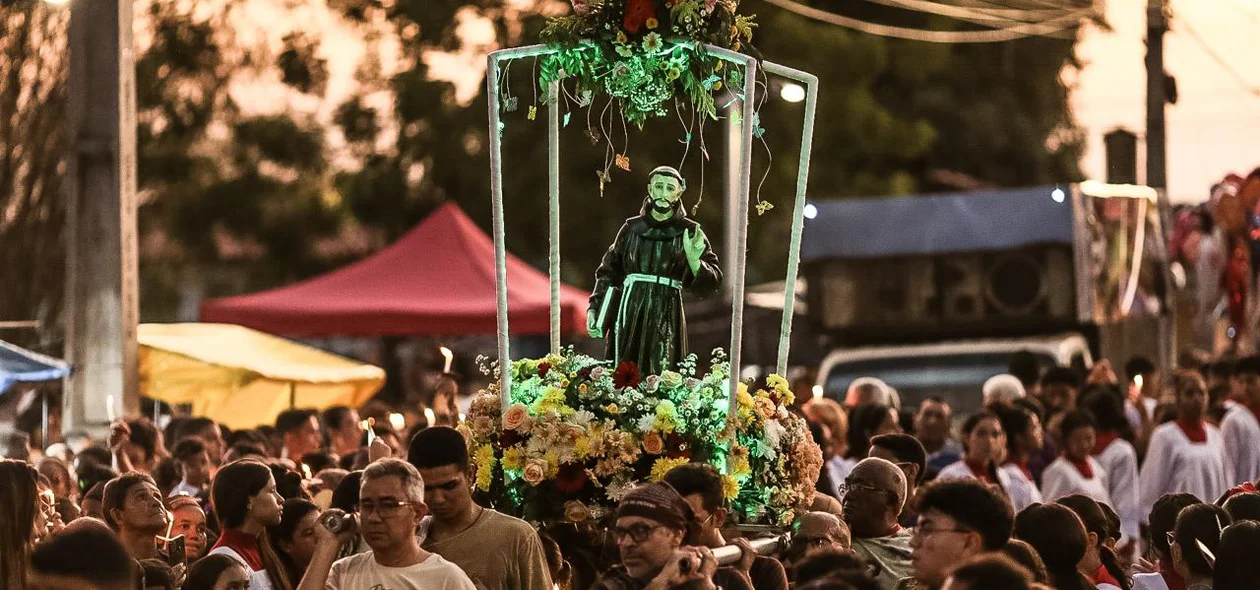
(651, 524)
(958, 519)
(391, 504)
(873, 495)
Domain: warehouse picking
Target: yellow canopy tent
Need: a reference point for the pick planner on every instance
(243, 378)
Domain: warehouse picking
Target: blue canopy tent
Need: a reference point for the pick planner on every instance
(18, 365)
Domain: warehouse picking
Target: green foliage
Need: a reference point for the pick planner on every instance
(32, 143)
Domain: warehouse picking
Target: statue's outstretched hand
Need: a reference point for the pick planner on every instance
(693, 247)
(592, 327)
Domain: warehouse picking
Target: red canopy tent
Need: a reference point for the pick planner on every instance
(437, 279)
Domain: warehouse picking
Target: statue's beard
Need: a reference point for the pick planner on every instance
(662, 205)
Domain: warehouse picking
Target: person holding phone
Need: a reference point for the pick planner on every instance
(189, 521)
(391, 502)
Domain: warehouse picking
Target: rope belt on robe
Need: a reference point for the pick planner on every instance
(633, 279)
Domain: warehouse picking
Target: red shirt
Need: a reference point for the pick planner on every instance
(1102, 576)
(244, 544)
(981, 472)
(1104, 440)
(1195, 431)
(1083, 467)
(1172, 579)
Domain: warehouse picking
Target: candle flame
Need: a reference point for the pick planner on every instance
(398, 421)
(429, 417)
(461, 418)
(449, 356)
(1137, 380)
(818, 392)
(306, 470)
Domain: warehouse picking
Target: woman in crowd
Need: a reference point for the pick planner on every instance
(867, 422)
(829, 414)
(189, 520)
(1237, 567)
(1100, 563)
(1075, 471)
(1114, 451)
(1023, 438)
(1059, 538)
(294, 538)
(1162, 519)
(59, 478)
(1194, 543)
(19, 503)
(246, 503)
(984, 444)
(1185, 455)
(217, 572)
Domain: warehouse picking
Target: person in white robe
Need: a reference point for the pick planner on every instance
(1075, 471)
(984, 444)
(1240, 430)
(1024, 437)
(1116, 455)
(1187, 454)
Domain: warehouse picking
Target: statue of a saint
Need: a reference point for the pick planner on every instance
(636, 305)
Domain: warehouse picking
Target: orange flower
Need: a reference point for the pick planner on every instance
(652, 23)
(653, 444)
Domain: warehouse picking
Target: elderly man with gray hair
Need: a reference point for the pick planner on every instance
(391, 504)
(874, 494)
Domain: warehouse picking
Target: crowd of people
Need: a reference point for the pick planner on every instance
(1062, 481)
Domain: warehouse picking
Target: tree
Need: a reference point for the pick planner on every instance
(32, 143)
(235, 196)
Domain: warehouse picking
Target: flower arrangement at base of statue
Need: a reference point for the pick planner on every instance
(578, 435)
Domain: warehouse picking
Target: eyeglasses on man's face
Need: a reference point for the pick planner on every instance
(386, 508)
(637, 532)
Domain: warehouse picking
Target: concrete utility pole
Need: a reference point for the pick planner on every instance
(1156, 95)
(102, 306)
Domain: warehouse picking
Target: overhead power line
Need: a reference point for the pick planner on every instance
(1048, 27)
(1218, 58)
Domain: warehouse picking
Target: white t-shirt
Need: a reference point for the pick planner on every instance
(361, 572)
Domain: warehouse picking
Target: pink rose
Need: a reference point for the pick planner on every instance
(516, 417)
(653, 444)
(535, 472)
(576, 512)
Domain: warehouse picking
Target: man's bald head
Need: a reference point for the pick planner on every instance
(819, 525)
(884, 475)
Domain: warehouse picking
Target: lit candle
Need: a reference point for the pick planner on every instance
(366, 425)
(109, 408)
(429, 417)
(1137, 380)
(306, 470)
(450, 358)
(818, 392)
(398, 421)
(461, 418)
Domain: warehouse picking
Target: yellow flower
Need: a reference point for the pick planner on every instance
(672, 74)
(719, 66)
(621, 37)
(581, 447)
(736, 46)
(612, 409)
(777, 383)
(717, 85)
(742, 397)
(730, 487)
(652, 23)
(484, 459)
(513, 458)
(664, 465)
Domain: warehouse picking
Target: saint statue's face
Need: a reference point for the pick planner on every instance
(664, 190)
